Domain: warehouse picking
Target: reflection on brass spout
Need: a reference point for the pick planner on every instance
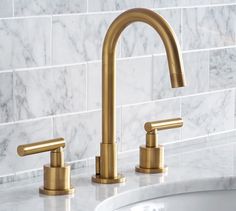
(108, 151)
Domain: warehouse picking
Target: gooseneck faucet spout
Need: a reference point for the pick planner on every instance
(106, 163)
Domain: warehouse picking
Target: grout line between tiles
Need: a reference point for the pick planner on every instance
(202, 136)
(13, 8)
(87, 6)
(86, 86)
(118, 106)
(208, 69)
(181, 114)
(118, 11)
(118, 59)
(51, 43)
(13, 97)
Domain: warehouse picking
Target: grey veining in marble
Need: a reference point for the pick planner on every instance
(209, 27)
(24, 42)
(222, 68)
(21, 133)
(49, 91)
(134, 117)
(82, 133)
(6, 8)
(41, 7)
(106, 5)
(196, 71)
(132, 86)
(207, 113)
(79, 38)
(184, 3)
(6, 97)
(140, 39)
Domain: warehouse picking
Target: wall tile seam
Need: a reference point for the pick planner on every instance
(197, 6)
(13, 8)
(118, 107)
(86, 87)
(26, 121)
(178, 97)
(118, 59)
(51, 42)
(87, 12)
(208, 70)
(25, 17)
(234, 107)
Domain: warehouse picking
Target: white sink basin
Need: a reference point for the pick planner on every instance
(199, 201)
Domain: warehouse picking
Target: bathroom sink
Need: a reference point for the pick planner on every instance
(199, 201)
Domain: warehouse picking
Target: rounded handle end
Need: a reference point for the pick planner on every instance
(20, 151)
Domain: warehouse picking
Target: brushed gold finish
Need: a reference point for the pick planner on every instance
(151, 157)
(108, 151)
(98, 179)
(43, 146)
(163, 124)
(57, 173)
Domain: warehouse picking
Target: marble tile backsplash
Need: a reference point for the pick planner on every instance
(50, 75)
(44, 7)
(6, 8)
(25, 42)
(209, 27)
(49, 91)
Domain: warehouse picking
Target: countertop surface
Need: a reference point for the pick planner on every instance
(194, 165)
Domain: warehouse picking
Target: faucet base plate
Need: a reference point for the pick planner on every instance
(151, 170)
(44, 191)
(98, 179)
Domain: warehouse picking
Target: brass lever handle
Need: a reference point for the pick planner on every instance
(57, 173)
(42, 146)
(163, 124)
(151, 157)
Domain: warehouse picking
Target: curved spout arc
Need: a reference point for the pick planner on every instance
(135, 15)
(108, 61)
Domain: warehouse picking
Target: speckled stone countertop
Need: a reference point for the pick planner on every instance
(194, 165)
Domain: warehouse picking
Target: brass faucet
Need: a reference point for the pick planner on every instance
(106, 163)
(57, 173)
(151, 155)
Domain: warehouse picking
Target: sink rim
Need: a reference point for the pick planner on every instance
(167, 189)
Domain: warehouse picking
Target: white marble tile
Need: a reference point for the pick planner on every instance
(207, 113)
(184, 3)
(208, 27)
(196, 71)
(24, 42)
(82, 133)
(79, 38)
(6, 8)
(134, 117)
(41, 7)
(140, 39)
(94, 90)
(49, 91)
(106, 5)
(132, 86)
(222, 1)
(222, 68)
(6, 98)
(235, 110)
(13, 135)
